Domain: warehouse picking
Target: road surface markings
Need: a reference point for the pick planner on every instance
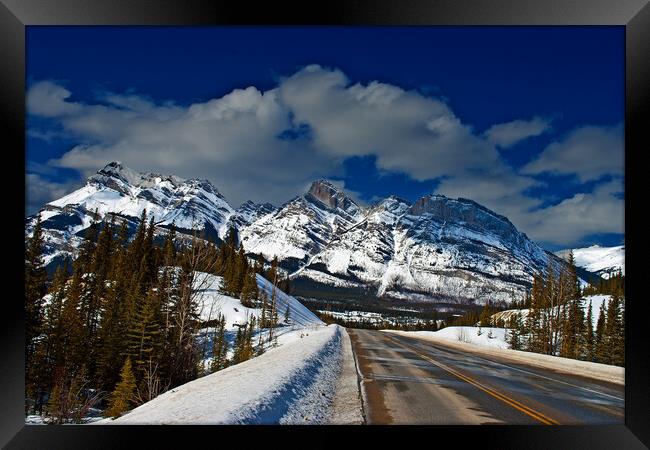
(546, 378)
(504, 398)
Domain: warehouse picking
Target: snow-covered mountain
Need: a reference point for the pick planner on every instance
(188, 204)
(248, 213)
(600, 260)
(302, 227)
(438, 249)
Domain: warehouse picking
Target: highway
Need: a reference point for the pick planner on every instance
(410, 381)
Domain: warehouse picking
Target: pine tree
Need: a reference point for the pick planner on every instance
(239, 346)
(169, 248)
(74, 331)
(144, 336)
(589, 335)
(515, 325)
(614, 334)
(219, 346)
(600, 344)
(121, 399)
(249, 289)
(35, 288)
(486, 315)
(49, 352)
(112, 328)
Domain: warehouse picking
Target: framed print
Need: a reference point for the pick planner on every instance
(376, 218)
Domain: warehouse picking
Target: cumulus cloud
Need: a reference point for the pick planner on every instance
(406, 131)
(589, 152)
(508, 134)
(599, 211)
(269, 145)
(48, 99)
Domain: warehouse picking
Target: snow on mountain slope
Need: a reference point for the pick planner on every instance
(248, 213)
(188, 204)
(438, 248)
(597, 259)
(211, 303)
(292, 384)
(302, 227)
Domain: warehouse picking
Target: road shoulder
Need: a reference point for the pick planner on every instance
(347, 407)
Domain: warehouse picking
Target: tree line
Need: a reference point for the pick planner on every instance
(556, 323)
(120, 325)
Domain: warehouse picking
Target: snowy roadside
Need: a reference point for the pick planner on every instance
(295, 383)
(347, 408)
(603, 372)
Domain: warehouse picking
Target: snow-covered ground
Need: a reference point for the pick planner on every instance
(483, 336)
(295, 383)
(612, 374)
(373, 317)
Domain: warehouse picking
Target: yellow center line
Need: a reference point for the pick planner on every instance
(504, 398)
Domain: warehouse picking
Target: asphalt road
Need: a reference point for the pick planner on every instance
(410, 381)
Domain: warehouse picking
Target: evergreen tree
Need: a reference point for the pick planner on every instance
(113, 326)
(144, 336)
(49, 352)
(121, 399)
(74, 332)
(614, 334)
(249, 288)
(600, 344)
(219, 346)
(515, 325)
(169, 248)
(589, 335)
(486, 315)
(35, 288)
(239, 346)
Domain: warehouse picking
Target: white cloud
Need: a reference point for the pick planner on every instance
(508, 134)
(599, 211)
(406, 131)
(589, 152)
(48, 99)
(235, 141)
(40, 191)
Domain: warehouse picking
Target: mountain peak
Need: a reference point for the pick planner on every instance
(330, 195)
(321, 184)
(116, 170)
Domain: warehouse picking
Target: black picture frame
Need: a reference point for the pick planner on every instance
(634, 15)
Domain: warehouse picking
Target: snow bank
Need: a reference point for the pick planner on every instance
(603, 372)
(485, 336)
(292, 384)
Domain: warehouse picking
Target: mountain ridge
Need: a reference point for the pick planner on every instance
(436, 248)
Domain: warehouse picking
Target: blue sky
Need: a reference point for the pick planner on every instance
(525, 120)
